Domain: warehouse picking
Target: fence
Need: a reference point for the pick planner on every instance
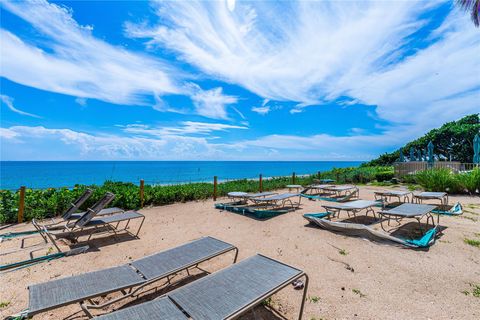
(412, 167)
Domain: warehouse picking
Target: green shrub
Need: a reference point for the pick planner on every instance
(438, 179)
(384, 176)
(469, 182)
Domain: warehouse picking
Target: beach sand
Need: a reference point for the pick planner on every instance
(368, 281)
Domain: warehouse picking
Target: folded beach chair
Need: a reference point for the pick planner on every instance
(370, 232)
(225, 294)
(89, 222)
(72, 214)
(129, 279)
(69, 215)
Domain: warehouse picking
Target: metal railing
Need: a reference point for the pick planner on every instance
(412, 167)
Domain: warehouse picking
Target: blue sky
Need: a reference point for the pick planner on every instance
(230, 80)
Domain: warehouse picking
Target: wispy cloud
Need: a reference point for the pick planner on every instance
(316, 52)
(8, 101)
(81, 101)
(265, 108)
(185, 128)
(74, 62)
(211, 103)
(299, 51)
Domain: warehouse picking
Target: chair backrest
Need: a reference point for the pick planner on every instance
(74, 206)
(97, 207)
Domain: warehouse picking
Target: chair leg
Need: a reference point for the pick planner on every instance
(304, 297)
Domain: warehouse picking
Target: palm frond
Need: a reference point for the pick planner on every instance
(472, 6)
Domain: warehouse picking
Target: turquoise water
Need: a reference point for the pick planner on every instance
(47, 174)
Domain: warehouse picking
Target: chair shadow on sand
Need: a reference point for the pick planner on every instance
(104, 238)
(412, 230)
(288, 209)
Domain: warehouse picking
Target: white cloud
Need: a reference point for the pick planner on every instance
(24, 142)
(189, 141)
(211, 103)
(185, 128)
(231, 5)
(8, 101)
(265, 108)
(302, 51)
(261, 110)
(316, 52)
(75, 62)
(7, 134)
(81, 101)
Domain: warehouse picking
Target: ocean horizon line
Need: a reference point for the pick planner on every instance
(55, 174)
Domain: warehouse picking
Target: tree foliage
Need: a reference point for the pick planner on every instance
(472, 7)
(452, 140)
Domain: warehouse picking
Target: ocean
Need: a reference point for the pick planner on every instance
(54, 174)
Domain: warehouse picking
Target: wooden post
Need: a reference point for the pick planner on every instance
(293, 178)
(260, 183)
(142, 192)
(215, 188)
(21, 204)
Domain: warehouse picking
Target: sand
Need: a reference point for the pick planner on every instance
(368, 281)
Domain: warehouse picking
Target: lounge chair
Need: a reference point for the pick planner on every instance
(134, 276)
(69, 215)
(72, 214)
(352, 207)
(244, 196)
(89, 221)
(329, 192)
(225, 294)
(385, 196)
(422, 196)
(409, 211)
(342, 193)
(278, 200)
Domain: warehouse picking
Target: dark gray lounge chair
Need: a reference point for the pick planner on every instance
(71, 213)
(162, 308)
(134, 276)
(93, 224)
(225, 294)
